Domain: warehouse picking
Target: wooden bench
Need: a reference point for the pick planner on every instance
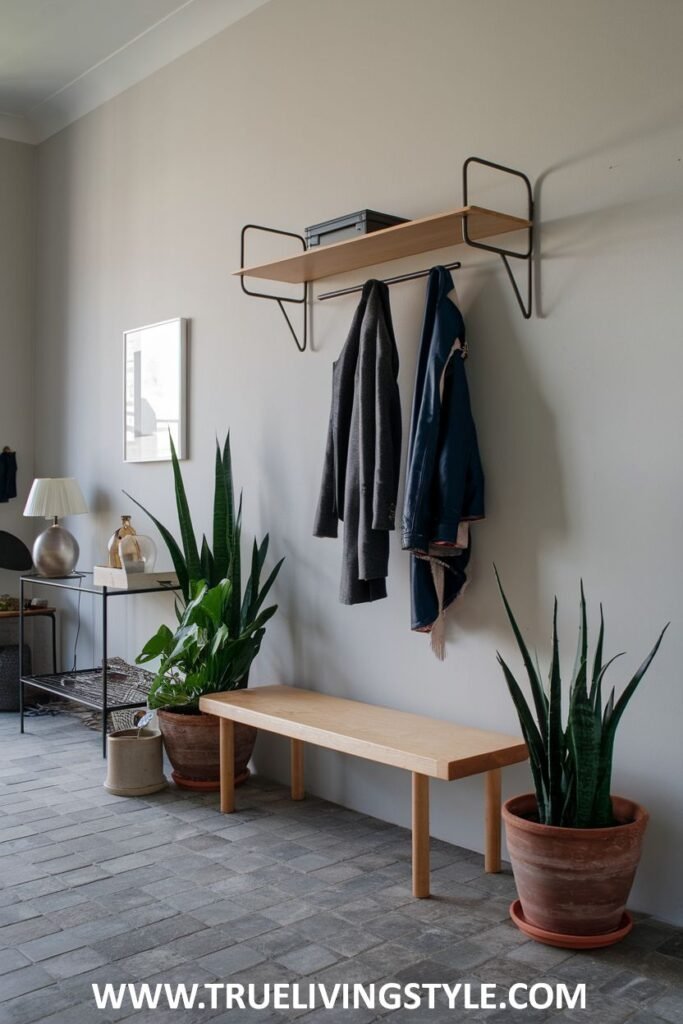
(424, 746)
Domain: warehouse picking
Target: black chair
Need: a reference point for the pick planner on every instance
(14, 554)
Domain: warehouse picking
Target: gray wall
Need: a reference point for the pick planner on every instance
(305, 110)
(17, 255)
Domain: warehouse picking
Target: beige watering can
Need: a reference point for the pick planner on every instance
(135, 760)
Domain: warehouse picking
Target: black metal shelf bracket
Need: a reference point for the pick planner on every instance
(280, 299)
(505, 254)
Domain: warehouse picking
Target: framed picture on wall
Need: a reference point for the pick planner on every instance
(154, 391)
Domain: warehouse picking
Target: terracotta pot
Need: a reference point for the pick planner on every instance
(574, 881)
(192, 745)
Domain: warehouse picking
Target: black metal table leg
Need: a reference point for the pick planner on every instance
(21, 655)
(54, 643)
(104, 671)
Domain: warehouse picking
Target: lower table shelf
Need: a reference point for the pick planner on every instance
(86, 686)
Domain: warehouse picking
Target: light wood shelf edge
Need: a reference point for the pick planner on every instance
(437, 231)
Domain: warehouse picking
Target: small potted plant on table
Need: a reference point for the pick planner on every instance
(220, 630)
(574, 847)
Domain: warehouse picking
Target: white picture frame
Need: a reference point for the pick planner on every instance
(155, 391)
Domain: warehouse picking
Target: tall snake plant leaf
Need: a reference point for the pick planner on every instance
(229, 488)
(595, 696)
(177, 556)
(263, 593)
(581, 659)
(603, 805)
(597, 661)
(185, 520)
(221, 538)
(206, 561)
(235, 572)
(585, 749)
(252, 584)
(630, 689)
(252, 593)
(537, 691)
(569, 807)
(533, 739)
(261, 619)
(555, 751)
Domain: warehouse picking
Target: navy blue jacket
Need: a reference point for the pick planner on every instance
(444, 479)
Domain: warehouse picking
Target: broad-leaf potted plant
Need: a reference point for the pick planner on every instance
(573, 845)
(220, 629)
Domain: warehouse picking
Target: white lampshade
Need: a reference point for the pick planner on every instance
(59, 496)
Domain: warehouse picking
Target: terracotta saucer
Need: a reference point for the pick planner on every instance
(570, 941)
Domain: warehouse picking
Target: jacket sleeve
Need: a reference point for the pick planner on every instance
(327, 514)
(460, 494)
(387, 435)
(417, 511)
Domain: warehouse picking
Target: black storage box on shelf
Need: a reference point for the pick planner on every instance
(363, 222)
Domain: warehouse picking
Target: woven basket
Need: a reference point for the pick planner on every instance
(9, 675)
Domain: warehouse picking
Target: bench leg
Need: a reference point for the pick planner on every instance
(492, 815)
(420, 835)
(297, 770)
(227, 758)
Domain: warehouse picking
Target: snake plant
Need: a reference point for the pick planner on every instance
(220, 624)
(571, 762)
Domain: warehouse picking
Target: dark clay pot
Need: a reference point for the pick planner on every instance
(574, 881)
(192, 745)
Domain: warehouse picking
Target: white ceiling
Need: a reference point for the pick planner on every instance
(61, 58)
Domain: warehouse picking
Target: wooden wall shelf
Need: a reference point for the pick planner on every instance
(467, 225)
(415, 236)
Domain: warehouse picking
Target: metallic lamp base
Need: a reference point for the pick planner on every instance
(55, 552)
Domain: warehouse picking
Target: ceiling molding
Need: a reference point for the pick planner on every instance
(17, 129)
(191, 24)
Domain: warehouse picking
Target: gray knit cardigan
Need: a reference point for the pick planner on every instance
(363, 454)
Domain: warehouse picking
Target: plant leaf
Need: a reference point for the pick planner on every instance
(537, 751)
(185, 520)
(229, 489)
(156, 645)
(597, 660)
(595, 697)
(206, 561)
(263, 593)
(221, 547)
(537, 691)
(555, 733)
(581, 658)
(585, 746)
(630, 689)
(177, 557)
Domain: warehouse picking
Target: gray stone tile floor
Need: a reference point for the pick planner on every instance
(96, 888)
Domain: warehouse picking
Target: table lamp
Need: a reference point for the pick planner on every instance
(55, 551)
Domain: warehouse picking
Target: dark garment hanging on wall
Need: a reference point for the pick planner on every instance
(363, 454)
(8, 475)
(444, 478)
